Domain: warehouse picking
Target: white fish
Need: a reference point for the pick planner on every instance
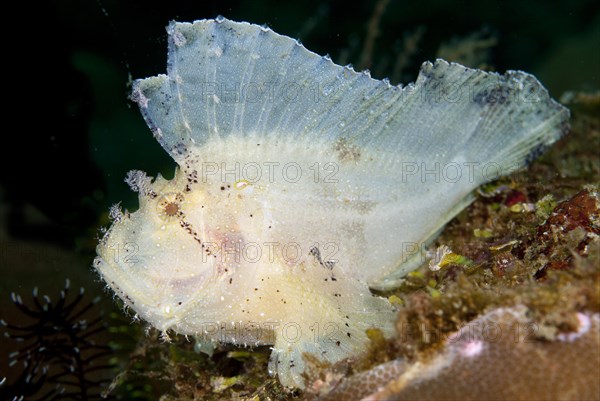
(301, 184)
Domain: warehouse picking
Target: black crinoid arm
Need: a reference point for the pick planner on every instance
(59, 351)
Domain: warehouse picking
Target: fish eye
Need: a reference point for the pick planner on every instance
(169, 206)
(171, 209)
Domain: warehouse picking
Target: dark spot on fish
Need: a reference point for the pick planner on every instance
(534, 153)
(180, 148)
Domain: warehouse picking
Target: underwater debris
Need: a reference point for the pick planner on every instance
(568, 230)
(184, 270)
(443, 256)
(58, 349)
(178, 372)
(497, 356)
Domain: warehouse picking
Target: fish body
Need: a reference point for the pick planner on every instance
(302, 184)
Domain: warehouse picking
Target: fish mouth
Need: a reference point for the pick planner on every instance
(155, 299)
(123, 285)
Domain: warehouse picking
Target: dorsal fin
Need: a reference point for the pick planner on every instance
(235, 78)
